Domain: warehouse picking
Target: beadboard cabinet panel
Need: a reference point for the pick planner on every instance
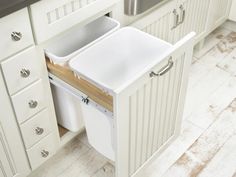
(219, 12)
(200, 16)
(160, 23)
(193, 17)
(148, 112)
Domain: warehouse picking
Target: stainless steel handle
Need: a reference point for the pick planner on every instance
(25, 73)
(182, 14)
(163, 70)
(33, 104)
(39, 131)
(16, 36)
(44, 153)
(176, 19)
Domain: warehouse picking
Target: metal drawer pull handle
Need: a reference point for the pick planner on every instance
(182, 12)
(44, 153)
(163, 70)
(39, 131)
(176, 19)
(25, 73)
(16, 36)
(33, 104)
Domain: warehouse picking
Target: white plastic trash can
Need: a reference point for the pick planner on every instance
(100, 130)
(62, 48)
(73, 113)
(68, 109)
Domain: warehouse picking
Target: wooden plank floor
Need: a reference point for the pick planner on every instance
(207, 144)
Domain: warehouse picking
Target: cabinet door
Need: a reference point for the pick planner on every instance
(193, 17)
(219, 12)
(160, 23)
(13, 159)
(148, 112)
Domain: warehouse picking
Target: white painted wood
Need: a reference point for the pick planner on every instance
(86, 165)
(106, 171)
(219, 13)
(198, 94)
(229, 64)
(51, 17)
(225, 159)
(159, 23)
(192, 17)
(232, 15)
(15, 22)
(28, 129)
(196, 12)
(6, 165)
(189, 134)
(74, 151)
(12, 68)
(14, 162)
(132, 120)
(22, 99)
(200, 154)
(47, 144)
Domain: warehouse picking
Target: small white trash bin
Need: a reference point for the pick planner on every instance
(100, 130)
(72, 113)
(68, 109)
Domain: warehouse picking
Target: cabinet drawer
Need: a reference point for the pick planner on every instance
(15, 33)
(29, 101)
(36, 128)
(42, 151)
(51, 17)
(22, 69)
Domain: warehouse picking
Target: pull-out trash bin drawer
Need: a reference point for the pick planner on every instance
(147, 78)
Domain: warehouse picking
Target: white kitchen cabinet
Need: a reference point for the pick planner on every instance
(13, 159)
(232, 15)
(219, 12)
(193, 15)
(51, 17)
(175, 19)
(161, 22)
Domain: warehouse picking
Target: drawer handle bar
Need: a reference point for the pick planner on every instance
(44, 153)
(16, 36)
(182, 14)
(39, 131)
(33, 104)
(25, 73)
(176, 19)
(163, 70)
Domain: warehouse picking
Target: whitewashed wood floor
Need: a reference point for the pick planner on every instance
(207, 144)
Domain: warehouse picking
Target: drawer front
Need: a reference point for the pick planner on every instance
(29, 101)
(22, 69)
(57, 16)
(36, 128)
(42, 151)
(15, 33)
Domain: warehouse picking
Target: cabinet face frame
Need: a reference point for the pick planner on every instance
(11, 138)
